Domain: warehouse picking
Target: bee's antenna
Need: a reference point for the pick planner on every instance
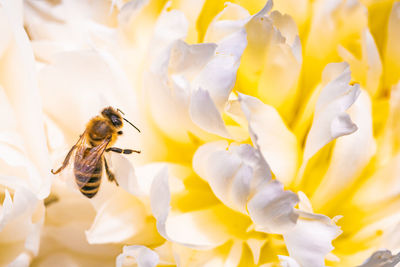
(120, 111)
(132, 124)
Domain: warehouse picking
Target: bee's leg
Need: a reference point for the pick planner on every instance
(66, 160)
(110, 175)
(120, 150)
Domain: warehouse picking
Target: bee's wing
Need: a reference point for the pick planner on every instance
(79, 144)
(86, 162)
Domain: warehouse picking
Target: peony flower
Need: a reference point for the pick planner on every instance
(268, 132)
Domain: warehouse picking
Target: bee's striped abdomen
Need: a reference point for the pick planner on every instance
(88, 181)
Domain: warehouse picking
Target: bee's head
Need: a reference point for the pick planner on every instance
(113, 116)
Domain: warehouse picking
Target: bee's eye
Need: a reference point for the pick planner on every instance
(116, 121)
(119, 132)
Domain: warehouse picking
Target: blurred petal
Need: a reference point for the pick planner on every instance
(334, 22)
(392, 54)
(288, 261)
(255, 246)
(384, 180)
(270, 134)
(367, 70)
(382, 258)
(171, 26)
(120, 218)
(18, 79)
(143, 256)
(21, 220)
(23, 260)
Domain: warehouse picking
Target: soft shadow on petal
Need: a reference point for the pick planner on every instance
(270, 134)
(271, 208)
(120, 218)
(125, 174)
(233, 172)
(330, 118)
(240, 177)
(219, 75)
(205, 114)
(350, 155)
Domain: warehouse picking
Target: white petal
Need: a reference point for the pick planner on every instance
(288, 261)
(310, 240)
(168, 103)
(219, 75)
(392, 55)
(350, 154)
(21, 220)
(367, 69)
(286, 26)
(231, 19)
(374, 63)
(366, 194)
(199, 229)
(120, 218)
(200, 158)
(233, 174)
(146, 175)
(255, 246)
(271, 208)
(6, 209)
(6, 31)
(19, 81)
(205, 114)
(143, 256)
(23, 260)
(190, 59)
(82, 73)
(125, 174)
(129, 10)
(6, 108)
(241, 179)
(382, 258)
(170, 27)
(330, 119)
(234, 256)
(23, 204)
(270, 134)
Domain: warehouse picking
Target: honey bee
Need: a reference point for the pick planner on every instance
(100, 134)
